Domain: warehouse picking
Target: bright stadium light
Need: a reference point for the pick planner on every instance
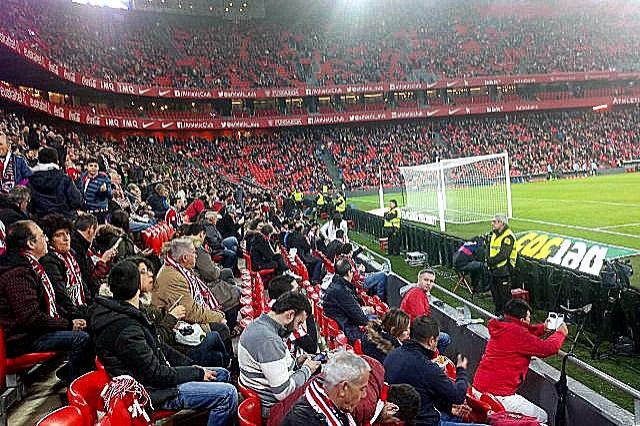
(114, 4)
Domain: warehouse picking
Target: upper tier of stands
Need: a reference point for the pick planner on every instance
(324, 43)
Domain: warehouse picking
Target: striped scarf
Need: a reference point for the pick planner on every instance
(127, 389)
(8, 173)
(49, 293)
(74, 286)
(200, 293)
(320, 402)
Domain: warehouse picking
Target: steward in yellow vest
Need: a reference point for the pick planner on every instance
(341, 203)
(501, 261)
(392, 228)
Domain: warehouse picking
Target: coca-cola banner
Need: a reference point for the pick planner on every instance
(25, 51)
(106, 120)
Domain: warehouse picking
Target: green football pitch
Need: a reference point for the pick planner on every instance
(603, 209)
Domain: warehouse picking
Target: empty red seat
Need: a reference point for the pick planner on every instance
(84, 393)
(249, 413)
(65, 416)
(19, 363)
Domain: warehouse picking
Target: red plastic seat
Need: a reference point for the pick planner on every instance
(20, 363)
(357, 347)
(248, 393)
(84, 393)
(65, 416)
(262, 272)
(249, 413)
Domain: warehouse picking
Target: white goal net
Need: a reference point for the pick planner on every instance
(460, 190)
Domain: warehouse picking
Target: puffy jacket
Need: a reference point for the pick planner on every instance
(411, 364)
(94, 199)
(511, 345)
(341, 304)
(53, 192)
(126, 343)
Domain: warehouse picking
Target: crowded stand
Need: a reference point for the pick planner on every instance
(534, 142)
(290, 48)
(139, 266)
(209, 275)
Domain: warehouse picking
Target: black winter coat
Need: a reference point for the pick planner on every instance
(57, 273)
(127, 343)
(341, 304)
(411, 364)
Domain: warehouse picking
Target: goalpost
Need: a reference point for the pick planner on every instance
(459, 190)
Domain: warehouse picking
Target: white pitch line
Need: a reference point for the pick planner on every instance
(605, 203)
(619, 226)
(582, 228)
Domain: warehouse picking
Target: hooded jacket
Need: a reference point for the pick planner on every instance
(411, 364)
(126, 343)
(506, 359)
(52, 191)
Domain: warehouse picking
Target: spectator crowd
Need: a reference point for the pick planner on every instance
(78, 276)
(327, 43)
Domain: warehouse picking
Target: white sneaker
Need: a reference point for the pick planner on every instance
(293, 275)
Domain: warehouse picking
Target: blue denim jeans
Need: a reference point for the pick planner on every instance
(443, 341)
(210, 352)
(230, 252)
(219, 397)
(79, 345)
(377, 281)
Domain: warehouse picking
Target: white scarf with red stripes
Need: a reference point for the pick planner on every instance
(320, 402)
(49, 293)
(74, 277)
(200, 293)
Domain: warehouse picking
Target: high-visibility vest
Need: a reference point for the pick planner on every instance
(325, 189)
(341, 204)
(320, 201)
(298, 196)
(395, 222)
(496, 243)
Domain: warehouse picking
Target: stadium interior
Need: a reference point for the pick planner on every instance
(283, 140)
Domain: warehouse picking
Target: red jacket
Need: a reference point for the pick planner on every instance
(511, 345)
(416, 303)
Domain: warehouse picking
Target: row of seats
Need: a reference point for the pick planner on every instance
(155, 236)
(87, 407)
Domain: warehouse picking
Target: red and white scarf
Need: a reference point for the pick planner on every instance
(127, 389)
(382, 400)
(49, 293)
(320, 402)
(199, 291)
(8, 173)
(74, 286)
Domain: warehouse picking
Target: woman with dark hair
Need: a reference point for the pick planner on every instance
(62, 267)
(210, 352)
(386, 334)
